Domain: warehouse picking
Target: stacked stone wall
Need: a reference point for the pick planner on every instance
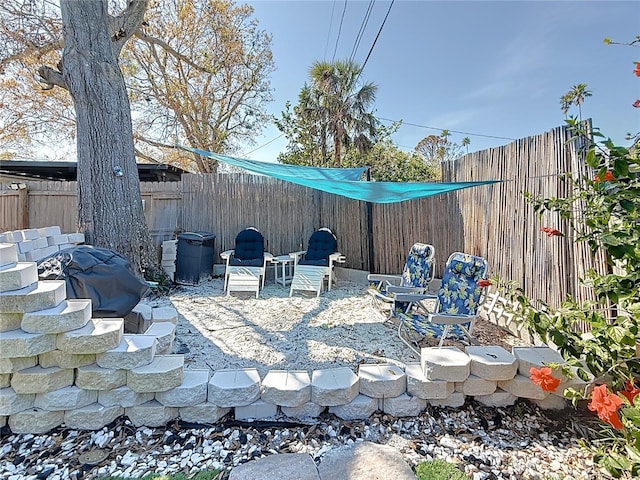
(61, 366)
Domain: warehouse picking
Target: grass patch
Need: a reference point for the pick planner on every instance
(439, 470)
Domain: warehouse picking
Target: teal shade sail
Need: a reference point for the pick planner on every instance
(344, 181)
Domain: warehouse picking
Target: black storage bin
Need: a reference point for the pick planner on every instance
(194, 260)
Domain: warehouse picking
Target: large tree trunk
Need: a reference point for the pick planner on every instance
(110, 205)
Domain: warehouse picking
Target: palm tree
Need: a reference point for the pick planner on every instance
(577, 95)
(465, 143)
(565, 103)
(344, 105)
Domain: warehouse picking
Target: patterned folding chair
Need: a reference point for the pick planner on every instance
(415, 278)
(457, 304)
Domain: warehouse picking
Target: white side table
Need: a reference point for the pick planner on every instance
(283, 269)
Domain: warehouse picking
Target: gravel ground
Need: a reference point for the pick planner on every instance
(341, 328)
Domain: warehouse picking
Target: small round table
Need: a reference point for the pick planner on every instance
(284, 273)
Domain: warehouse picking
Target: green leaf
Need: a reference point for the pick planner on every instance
(621, 168)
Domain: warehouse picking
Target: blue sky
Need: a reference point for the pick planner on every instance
(488, 69)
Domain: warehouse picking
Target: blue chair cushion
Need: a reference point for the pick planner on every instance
(249, 248)
(321, 244)
(417, 269)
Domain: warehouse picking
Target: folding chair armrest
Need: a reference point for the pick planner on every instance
(268, 256)
(450, 319)
(414, 297)
(389, 279)
(337, 257)
(227, 254)
(397, 289)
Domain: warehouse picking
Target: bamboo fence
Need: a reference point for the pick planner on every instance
(492, 221)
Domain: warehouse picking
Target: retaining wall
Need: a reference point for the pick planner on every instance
(59, 366)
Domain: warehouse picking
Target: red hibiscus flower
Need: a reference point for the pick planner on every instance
(630, 391)
(606, 405)
(636, 103)
(608, 177)
(637, 70)
(551, 232)
(544, 379)
(484, 283)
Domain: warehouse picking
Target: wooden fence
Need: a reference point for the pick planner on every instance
(493, 221)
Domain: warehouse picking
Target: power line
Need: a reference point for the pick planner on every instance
(339, 31)
(333, 7)
(363, 27)
(376, 39)
(264, 144)
(448, 129)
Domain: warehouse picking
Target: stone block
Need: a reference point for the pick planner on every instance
(403, 405)
(68, 315)
(39, 380)
(165, 333)
(134, 351)
(12, 402)
(38, 296)
(303, 412)
(192, 391)
(97, 336)
(123, 397)
(5, 380)
(446, 363)
(258, 410)
(551, 402)
(18, 343)
(143, 309)
(287, 388)
(420, 386)
(381, 380)
(523, 387)
(67, 398)
(135, 322)
(164, 314)
(49, 231)
(3, 421)
(12, 365)
(151, 414)
(17, 276)
(92, 417)
(455, 400)
(30, 233)
(10, 321)
(26, 246)
(492, 362)
(234, 387)
(58, 240)
(205, 413)
(475, 385)
(360, 408)
(58, 358)
(93, 377)
(497, 399)
(163, 373)
(76, 237)
(8, 254)
(40, 253)
(35, 421)
(536, 357)
(334, 386)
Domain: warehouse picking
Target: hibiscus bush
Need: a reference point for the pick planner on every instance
(604, 212)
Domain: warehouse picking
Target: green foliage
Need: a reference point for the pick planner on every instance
(439, 470)
(604, 212)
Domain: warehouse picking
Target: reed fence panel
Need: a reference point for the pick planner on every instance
(493, 221)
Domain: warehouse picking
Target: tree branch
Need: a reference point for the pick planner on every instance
(50, 78)
(125, 25)
(165, 46)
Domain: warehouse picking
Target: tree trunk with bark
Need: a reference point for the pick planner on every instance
(110, 211)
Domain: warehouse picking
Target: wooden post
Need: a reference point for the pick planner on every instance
(23, 200)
